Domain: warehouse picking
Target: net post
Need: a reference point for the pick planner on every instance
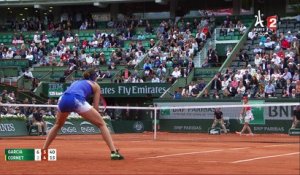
(155, 117)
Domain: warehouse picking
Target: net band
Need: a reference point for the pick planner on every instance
(169, 107)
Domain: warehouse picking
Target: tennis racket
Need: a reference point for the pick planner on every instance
(103, 101)
(241, 118)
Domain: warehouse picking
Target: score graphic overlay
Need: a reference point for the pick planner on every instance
(27, 154)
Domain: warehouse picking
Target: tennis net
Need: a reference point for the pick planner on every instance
(179, 121)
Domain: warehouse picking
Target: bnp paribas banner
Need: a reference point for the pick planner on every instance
(271, 119)
(114, 89)
(208, 113)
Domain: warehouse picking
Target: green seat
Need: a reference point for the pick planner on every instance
(98, 50)
(111, 49)
(9, 36)
(221, 38)
(227, 37)
(52, 44)
(92, 50)
(41, 75)
(22, 63)
(1, 74)
(236, 33)
(59, 68)
(146, 43)
(56, 76)
(5, 41)
(235, 37)
(78, 74)
(11, 72)
(56, 39)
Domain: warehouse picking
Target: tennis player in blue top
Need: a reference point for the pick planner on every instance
(74, 99)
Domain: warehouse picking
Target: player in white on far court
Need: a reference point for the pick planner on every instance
(247, 115)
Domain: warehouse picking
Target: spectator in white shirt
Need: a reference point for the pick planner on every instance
(252, 35)
(139, 55)
(176, 73)
(161, 71)
(276, 59)
(69, 39)
(28, 74)
(257, 60)
(286, 75)
(9, 54)
(269, 44)
(89, 59)
(29, 56)
(155, 79)
(37, 37)
(241, 89)
(257, 49)
(225, 83)
(238, 76)
(83, 26)
(289, 37)
(133, 62)
(242, 29)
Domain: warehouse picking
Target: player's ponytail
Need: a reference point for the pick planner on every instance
(90, 74)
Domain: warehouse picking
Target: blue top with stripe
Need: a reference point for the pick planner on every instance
(81, 88)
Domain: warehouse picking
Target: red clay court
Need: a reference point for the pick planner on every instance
(171, 153)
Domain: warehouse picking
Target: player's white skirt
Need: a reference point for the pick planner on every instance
(249, 116)
(73, 103)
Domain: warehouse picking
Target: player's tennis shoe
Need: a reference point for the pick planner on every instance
(238, 133)
(115, 155)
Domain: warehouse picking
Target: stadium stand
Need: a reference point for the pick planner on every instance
(135, 50)
(268, 57)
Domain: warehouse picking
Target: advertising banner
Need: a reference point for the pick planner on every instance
(114, 90)
(12, 127)
(208, 113)
(78, 126)
(17, 126)
(271, 119)
(55, 89)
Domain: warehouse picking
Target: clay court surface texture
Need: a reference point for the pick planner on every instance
(171, 153)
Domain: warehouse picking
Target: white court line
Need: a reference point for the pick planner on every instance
(267, 146)
(180, 154)
(265, 157)
(239, 148)
(210, 161)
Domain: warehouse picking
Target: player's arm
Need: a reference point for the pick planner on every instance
(242, 114)
(242, 111)
(294, 116)
(96, 98)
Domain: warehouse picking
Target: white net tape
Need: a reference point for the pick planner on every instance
(174, 106)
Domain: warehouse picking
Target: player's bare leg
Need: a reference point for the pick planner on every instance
(60, 120)
(249, 130)
(94, 117)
